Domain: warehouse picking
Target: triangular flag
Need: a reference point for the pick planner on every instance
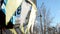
(11, 7)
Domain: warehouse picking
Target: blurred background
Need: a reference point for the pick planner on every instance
(47, 18)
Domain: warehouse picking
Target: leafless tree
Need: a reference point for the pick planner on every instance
(45, 19)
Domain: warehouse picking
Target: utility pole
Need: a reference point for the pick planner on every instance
(41, 27)
(44, 12)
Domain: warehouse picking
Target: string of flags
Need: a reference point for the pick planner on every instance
(10, 8)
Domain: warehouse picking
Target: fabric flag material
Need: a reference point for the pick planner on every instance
(11, 7)
(31, 18)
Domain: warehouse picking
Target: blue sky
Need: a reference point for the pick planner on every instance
(54, 6)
